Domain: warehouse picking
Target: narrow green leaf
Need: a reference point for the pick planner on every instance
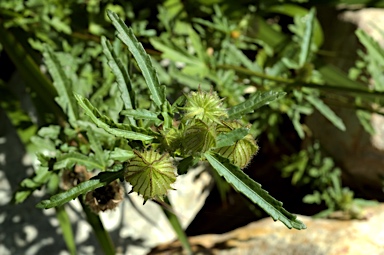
(293, 10)
(98, 181)
(126, 35)
(108, 125)
(121, 155)
(307, 38)
(374, 49)
(240, 56)
(70, 159)
(175, 55)
(197, 44)
(62, 84)
(228, 139)
(66, 228)
(253, 191)
(140, 114)
(122, 76)
(326, 111)
(256, 101)
(96, 146)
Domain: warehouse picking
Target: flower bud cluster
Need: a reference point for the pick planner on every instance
(152, 172)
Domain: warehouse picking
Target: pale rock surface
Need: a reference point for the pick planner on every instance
(322, 237)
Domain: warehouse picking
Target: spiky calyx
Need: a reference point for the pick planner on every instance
(151, 174)
(242, 151)
(205, 106)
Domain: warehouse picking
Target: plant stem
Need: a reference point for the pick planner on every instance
(178, 228)
(66, 228)
(102, 235)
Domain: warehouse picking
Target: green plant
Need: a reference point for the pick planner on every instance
(231, 57)
(140, 147)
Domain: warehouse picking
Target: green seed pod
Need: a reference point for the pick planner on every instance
(171, 140)
(198, 138)
(242, 151)
(204, 106)
(151, 174)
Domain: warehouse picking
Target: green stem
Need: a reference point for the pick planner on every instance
(178, 228)
(102, 235)
(66, 228)
(293, 83)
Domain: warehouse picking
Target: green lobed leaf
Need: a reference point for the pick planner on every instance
(228, 139)
(254, 102)
(253, 191)
(326, 111)
(108, 125)
(98, 181)
(122, 76)
(126, 35)
(27, 186)
(68, 160)
(62, 84)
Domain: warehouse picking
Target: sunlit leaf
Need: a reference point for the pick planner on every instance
(96, 182)
(253, 191)
(126, 35)
(256, 101)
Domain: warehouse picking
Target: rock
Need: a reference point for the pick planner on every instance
(322, 237)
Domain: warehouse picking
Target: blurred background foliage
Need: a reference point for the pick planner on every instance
(233, 47)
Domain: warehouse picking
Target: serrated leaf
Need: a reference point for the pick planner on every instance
(141, 114)
(98, 181)
(143, 60)
(68, 160)
(253, 191)
(254, 102)
(326, 112)
(122, 76)
(62, 84)
(228, 139)
(108, 125)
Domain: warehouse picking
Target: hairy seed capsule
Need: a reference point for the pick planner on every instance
(242, 151)
(198, 138)
(151, 174)
(204, 106)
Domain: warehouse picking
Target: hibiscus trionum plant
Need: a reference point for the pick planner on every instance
(148, 147)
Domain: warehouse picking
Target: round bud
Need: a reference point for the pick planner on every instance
(151, 174)
(204, 106)
(198, 138)
(240, 153)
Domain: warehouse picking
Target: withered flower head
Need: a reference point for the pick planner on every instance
(105, 198)
(71, 178)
